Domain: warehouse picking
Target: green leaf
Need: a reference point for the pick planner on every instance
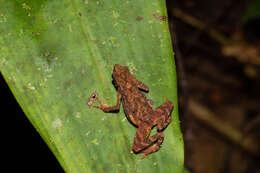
(54, 54)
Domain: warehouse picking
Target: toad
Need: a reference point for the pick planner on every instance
(139, 111)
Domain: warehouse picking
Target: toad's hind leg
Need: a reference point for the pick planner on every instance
(153, 148)
(165, 111)
(142, 140)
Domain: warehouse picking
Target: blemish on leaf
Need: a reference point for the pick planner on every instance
(103, 118)
(77, 115)
(21, 32)
(163, 18)
(57, 123)
(70, 28)
(87, 133)
(113, 41)
(47, 69)
(115, 14)
(50, 58)
(49, 76)
(139, 18)
(4, 61)
(132, 67)
(95, 141)
(52, 20)
(12, 78)
(115, 24)
(26, 7)
(43, 81)
(3, 18)
(29, 86)
(123, 119)
(150, 21)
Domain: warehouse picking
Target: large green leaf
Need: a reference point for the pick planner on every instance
(54, 54)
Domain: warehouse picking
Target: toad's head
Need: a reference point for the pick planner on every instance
(121, 75)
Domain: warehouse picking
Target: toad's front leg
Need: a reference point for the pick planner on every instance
(110, 108)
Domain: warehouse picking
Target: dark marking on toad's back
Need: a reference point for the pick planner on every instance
(138, 110)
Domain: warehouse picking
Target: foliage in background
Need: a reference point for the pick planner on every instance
(54, 54)
(252, 12)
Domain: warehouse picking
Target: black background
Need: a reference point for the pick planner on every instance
(24, 149)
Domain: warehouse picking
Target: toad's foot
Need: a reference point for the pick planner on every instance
(101, 106)
(153, 148)
(92, 99)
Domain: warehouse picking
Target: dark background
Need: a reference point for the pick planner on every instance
(218, 61)
(217, 76)
(23, 148)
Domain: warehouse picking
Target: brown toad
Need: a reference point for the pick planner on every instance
(138, 110)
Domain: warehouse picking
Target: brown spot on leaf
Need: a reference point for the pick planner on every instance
(138, 18)
(163, 18)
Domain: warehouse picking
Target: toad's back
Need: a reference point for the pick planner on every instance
(136, 105)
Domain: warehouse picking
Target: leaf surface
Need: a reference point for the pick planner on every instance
(54, 54)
